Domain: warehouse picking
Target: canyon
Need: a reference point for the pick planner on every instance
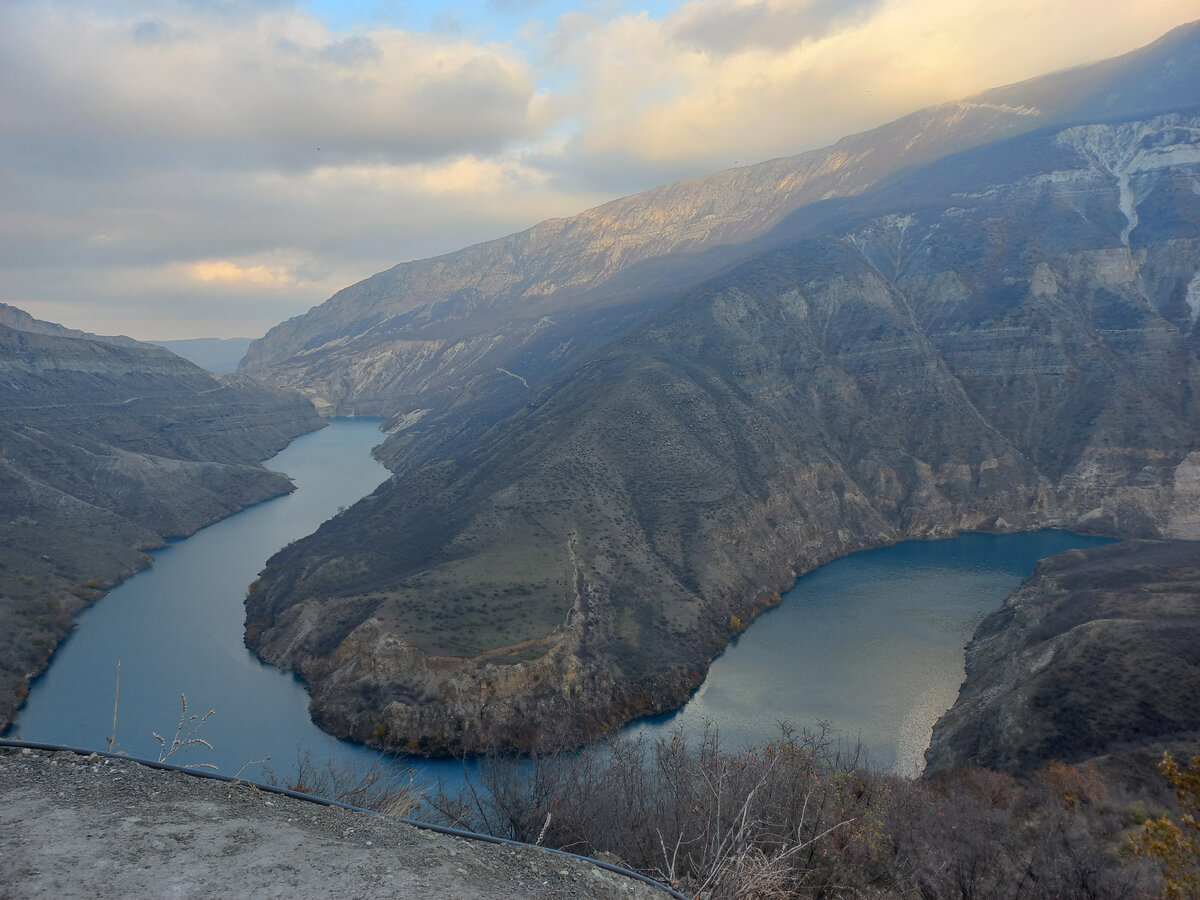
(107, 447)
(617, 437)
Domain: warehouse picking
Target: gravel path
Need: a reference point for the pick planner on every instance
(76, 826)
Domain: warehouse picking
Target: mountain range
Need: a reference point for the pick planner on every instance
(617, 437)
(220, 356)
(412, 339)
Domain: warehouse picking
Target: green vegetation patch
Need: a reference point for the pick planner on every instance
(502, 596)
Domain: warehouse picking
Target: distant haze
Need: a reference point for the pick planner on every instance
(218, 355)
(177, 169)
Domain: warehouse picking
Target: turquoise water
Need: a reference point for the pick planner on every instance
(177, 627)
(871, 643)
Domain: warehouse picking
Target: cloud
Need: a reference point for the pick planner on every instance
(464, 176)
(775, 25)
(718, 81)
(175, 168)
(163, 155)
(267, 91)
(252, 277)
(160, 256)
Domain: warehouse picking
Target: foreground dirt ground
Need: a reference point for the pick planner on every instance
(76, 826)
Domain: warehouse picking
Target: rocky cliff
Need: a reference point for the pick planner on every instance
(106, 447)
(1096, 657)
(1004, 339)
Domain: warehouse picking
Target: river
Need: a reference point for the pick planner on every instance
(871, 643)
(176, 628)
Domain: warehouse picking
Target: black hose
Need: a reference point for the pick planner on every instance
(324, 801)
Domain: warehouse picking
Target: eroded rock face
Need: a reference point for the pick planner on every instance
(107, 446)
(1095, 657)
(1000, 341)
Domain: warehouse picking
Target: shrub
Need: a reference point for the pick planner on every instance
(1176, 845)
(801, 818)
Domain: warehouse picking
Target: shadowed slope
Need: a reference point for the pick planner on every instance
(984, 344)
(412, 339)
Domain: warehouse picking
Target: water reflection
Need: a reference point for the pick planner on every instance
(871, 643)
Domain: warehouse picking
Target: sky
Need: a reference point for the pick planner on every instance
(209, 168)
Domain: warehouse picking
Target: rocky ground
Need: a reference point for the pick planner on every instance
(76, 826)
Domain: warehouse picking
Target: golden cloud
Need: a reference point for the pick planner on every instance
(235, 275)
(647, 89)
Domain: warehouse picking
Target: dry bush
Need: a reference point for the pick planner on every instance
(982, 834)
(799, 818)
(378, 788)
(1176, 845)
(794, 815)
(185, 736)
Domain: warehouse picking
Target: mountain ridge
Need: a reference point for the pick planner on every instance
(370, 349)
(949, 353)
(19, 320)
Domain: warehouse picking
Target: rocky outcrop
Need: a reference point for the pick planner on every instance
(1096, 657)
(105, 449)
(89, 826)
(998, 341)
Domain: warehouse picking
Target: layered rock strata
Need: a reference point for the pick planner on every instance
(999, 341)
